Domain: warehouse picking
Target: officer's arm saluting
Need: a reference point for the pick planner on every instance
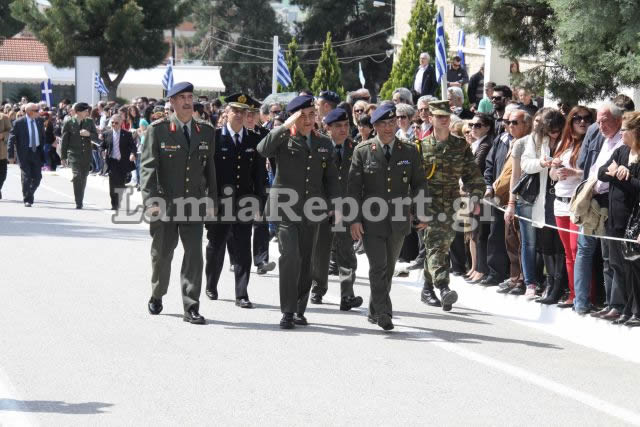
(271, 143)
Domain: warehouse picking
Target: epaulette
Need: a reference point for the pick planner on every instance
(157, 122)
(366, 143)
(204, 123)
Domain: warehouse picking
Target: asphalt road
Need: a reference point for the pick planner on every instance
(78, 347)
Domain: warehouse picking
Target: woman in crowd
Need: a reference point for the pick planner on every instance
(141, 132)
(536, 158)
(404, 115)
(133, 117)
(622, 172)
(365, 128)
(370, 109)
(358, 111)
(482, 134)
(568, 176)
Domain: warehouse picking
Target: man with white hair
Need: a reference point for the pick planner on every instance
(424, 82)
(456, 101)
(402, 95)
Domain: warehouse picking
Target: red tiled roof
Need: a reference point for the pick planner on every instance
(23, 49)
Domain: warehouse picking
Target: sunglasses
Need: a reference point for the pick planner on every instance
(276, 111)
(585, 119)
(423, 110)
(468, 132)
(476, 125)
(497, 98)
(358, 111)
(511, 122)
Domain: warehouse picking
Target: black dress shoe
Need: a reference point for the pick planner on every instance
(264, 267)
(287, 321)
(316, 299)
(428, 296)
(244, 303)
(624, 318)
(489, 281)
(384, 321)
(518, 289)
(212, 294)
(633, 322)
(27, 204)
(192, 316)
(448, 297)
(372, 319)
(299, 319)
(347, 304)
(155, 305)
(79, 206)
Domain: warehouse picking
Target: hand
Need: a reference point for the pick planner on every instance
(509, 214)
(622, 173)
(546, 163)
(612, 169)
(84, 132)
(12, 160)
(556, 163)
(337, 215)
(211, 212)
(476, 209)
(638, 239)
(153, 211)
(292, 119)
(64, 163)
(564, 173)
(357, 231)
(488, 194)
(132, 157)
(421, 226)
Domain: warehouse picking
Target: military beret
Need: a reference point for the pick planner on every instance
(383, 112)
(80, 106)
(330, 96)
(179, 88)
(440, 108)
(299, 103)
(237, 100)
(337, 115)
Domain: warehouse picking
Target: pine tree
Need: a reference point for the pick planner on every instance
(328, 75)
(421, 38)
(298, 79)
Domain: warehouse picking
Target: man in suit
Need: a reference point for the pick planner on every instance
(27, 138)
(424, 82)
(120, 156)
(239, 168)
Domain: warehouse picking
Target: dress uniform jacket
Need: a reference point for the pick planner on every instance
(75, 148)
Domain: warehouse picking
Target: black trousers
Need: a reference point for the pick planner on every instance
(3, 171)
(497, 258)
(31, 175)
(458, 253)
(633, 284)
(239, 235)
(117, 177)
(261, 243)
(295, 241)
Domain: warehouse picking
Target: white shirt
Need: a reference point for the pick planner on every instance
(233, 134)
(35, 129)
(475, 144)
(565, 188)
(417, 84)
(182, 125)
(608, 147)
(115, 152)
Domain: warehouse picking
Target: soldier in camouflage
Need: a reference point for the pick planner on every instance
(446, 160)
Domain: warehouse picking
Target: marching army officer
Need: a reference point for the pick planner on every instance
(77, 147)
(240, 170)
(446, 160)
(177, 165)
(337, 125)
(384, 169)
(305, 171)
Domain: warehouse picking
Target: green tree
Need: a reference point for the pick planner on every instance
(298, 79)
(124, 34)
(421, 38)
(363, 34)
(236, 34)
(328, 75)
(9, 26)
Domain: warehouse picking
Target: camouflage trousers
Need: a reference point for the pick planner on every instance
(437, 240)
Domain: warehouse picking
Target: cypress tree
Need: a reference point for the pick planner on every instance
(328, 75)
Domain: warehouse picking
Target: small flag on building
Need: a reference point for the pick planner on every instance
(98, 83)
(361, 74)
(167, 79)
(441, 53)
(461, 47)
(284, 77)
(46, 91)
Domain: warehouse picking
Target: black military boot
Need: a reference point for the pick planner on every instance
(429, 297)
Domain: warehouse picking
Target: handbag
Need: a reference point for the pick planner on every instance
(631, 251)
(528, 187)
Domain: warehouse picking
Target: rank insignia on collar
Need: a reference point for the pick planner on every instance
(172, 127)
(292, 131)
(197, 127)
(373, 147)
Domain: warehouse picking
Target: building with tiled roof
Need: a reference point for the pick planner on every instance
(23, 49)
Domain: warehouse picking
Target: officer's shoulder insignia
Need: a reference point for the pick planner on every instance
(159, 121)
(204, 123)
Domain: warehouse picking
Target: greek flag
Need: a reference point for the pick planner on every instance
(98, 83)
(167, 79)
(441, 53)
(361, 74)
(46, 90)
(284, 77)
(461, 47)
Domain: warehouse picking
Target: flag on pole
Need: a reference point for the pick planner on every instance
(167, 79)
(441, 53)
(284, 77)
(461, 47)
(361, 74)
(98, 83)
(46, 91)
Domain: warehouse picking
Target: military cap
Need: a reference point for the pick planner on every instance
(299, 103)
(383, 112)
(179, 88)
(254, 104)
(337, 115)
(330, 96)
(80, 106)
(440, 108)
(237, 100)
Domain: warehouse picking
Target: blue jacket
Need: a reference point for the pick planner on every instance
(590, 149)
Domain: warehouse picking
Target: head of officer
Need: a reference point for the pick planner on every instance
(384, 122)
(236, 110)
(181, 99)
(303, 114)
(337, 122)
(82, 110)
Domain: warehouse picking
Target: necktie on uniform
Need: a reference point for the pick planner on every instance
(185, 129)
(236, 138)
(387, 152)
(33, 135)
(339, 153)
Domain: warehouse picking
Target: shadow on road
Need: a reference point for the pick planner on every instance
(54, 406)
(39, 226)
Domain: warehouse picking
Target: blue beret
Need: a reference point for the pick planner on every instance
(383, 112)
(330, 96)
(179, 88)
(299, 102)
(337, 115)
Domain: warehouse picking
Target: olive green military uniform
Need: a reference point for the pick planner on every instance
(445, 162)
(171, 168)
(304, 166)
(341, 240)
(78, 151)
(371, 175)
